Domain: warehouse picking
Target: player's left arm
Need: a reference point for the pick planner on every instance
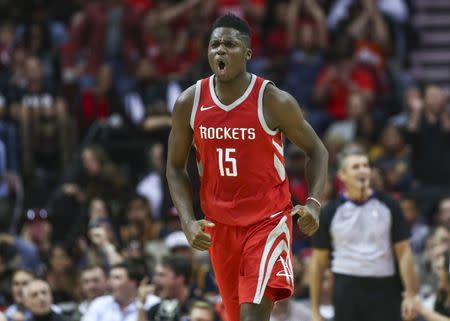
(281, 111)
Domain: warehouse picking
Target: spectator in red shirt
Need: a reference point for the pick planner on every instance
(99, 102)
(111, 30)
(341, 77)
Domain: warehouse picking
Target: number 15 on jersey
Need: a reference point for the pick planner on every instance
(227, 163)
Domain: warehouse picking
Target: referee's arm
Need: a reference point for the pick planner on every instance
(320, 260)
(400, 239)
(400, 235)
(406, 266)
(319, 263)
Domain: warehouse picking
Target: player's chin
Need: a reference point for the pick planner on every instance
(223, 76)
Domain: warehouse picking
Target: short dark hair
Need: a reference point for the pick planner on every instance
(137, 197)
(180, 265)
(230, 20)
(135, 271)
(351, 150)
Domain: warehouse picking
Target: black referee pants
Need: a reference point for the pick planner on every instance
(366, 298)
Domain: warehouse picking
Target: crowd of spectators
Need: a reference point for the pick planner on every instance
(87, 227)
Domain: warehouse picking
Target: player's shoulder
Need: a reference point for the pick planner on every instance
(184, 103)
(186, 98)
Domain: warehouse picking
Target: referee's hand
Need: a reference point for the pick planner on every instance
(409, 307)
(308, 222)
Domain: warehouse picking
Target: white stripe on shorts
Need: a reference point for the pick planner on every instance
(282, 246)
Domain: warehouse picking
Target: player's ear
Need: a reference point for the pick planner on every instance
(248, 54)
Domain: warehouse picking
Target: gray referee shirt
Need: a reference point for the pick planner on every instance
(361, 236)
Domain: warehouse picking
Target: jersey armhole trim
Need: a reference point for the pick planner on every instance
(261, 111)
(198, 86)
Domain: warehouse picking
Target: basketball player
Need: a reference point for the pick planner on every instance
(236, 121)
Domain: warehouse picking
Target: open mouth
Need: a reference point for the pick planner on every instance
(362, 180)
(221, 65)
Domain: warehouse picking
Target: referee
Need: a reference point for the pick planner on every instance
(364, 235)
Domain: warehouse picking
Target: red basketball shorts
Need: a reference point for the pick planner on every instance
(252, 262)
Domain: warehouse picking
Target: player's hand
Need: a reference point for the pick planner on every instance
(196, 235)
(308, 221)
(409, 309)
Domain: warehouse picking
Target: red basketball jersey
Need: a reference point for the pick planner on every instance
(240, 159)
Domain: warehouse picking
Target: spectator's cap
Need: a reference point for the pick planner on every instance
(36, 214)
(176, 240)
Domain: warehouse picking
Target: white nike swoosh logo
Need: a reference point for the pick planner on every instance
(203, 108)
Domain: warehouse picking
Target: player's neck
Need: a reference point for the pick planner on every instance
(229, 91)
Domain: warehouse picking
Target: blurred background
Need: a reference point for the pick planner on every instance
(86, 93)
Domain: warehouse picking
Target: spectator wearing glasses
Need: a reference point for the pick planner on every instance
(37, 230)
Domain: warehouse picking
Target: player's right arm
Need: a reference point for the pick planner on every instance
(319, 263)
(180, 142)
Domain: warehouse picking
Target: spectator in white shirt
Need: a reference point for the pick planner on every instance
(93, 283)
(122, 304)
(152, 185)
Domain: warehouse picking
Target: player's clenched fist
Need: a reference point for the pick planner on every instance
(308, 221)
(196, 235)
